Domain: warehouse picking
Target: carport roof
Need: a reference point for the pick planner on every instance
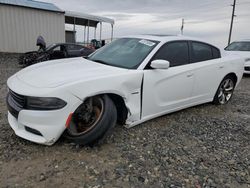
(32, 4)
(85, 19)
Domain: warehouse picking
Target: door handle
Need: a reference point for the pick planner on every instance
(190, 75)
(221, 67)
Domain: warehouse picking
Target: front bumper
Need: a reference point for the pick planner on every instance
(42, 127)
(20, 131)
(39, 127)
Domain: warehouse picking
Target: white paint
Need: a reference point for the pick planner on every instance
(245, 54)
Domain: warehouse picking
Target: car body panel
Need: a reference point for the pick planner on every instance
(60, 72)
(246, 56)
(166, 89)
(204, 86)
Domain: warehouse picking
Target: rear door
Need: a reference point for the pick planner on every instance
(167, 90)
(208, 69)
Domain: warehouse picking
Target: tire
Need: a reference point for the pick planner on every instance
(97, 131)
(225, 91)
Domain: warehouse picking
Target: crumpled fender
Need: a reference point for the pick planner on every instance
(127, 85)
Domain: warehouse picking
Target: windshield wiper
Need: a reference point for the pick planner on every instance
(100, 61)
(105, 63)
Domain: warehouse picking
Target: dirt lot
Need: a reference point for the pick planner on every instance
(204, 146)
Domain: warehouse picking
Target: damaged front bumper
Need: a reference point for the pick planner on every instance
(42, 127)
(39, 126)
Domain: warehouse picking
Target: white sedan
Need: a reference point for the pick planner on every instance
(241, 48)
(130, 81)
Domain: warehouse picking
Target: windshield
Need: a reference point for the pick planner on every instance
(125, 52)
(239, 46)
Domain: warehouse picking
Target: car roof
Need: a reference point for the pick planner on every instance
(67, 44)
(168, 38)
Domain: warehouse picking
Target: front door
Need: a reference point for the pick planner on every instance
(166, 90)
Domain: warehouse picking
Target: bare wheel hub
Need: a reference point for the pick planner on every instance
(87, 116)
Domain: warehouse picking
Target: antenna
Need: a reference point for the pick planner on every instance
(182, 26)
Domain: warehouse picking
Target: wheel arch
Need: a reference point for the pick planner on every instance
(122, 110)
(233, 75)
(119, 101)
(234, 78)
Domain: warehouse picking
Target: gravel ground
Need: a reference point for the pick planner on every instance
(204, 146)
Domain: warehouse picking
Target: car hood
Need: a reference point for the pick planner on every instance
(52, 74)
(245, 55)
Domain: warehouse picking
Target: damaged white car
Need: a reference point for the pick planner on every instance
(129, 81)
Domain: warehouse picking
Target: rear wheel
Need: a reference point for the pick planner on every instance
(92, 120)
(225, 91)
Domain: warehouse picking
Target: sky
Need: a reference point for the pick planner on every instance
(206, 19)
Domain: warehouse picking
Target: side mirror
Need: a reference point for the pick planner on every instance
(160, 64)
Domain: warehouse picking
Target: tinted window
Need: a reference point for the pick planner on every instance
(239, 46)
(175, 52)
(201, 52)
(58, 48)
(216, 53)
(74, 47)
(77, 47)
(50, 47)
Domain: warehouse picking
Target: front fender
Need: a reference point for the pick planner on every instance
(127, 85)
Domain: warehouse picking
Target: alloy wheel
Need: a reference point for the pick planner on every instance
(226, 91)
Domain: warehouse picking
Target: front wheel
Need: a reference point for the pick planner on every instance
(225, 91)
(92, 120)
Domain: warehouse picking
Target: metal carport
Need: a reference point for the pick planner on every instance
(86, 20)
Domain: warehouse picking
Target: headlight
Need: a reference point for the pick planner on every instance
(44, 103)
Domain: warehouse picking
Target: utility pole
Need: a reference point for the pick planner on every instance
(232, 22)
(182, 26)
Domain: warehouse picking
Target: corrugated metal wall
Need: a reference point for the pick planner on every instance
(20, 27)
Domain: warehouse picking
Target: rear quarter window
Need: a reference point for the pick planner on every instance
(203, 52)
(200, 52)
(216, 53)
